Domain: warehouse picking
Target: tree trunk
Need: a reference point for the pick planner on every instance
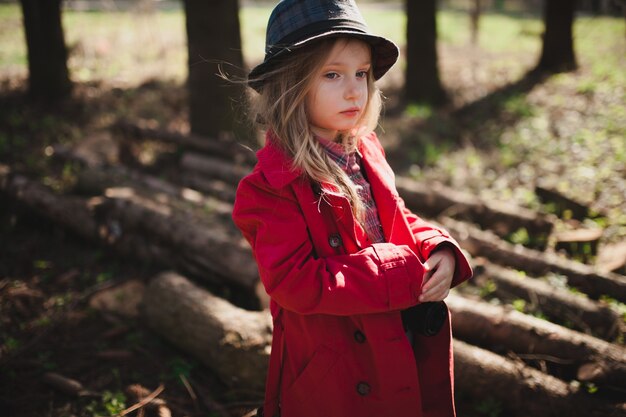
(422, 72)
(558, 304)
(570, 353)
(557, 54)
(233, 342)
(214, 44)
(475, 11)
(48, 77)
(583, 277)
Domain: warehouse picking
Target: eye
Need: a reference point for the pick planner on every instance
(331, 75)
(361, 74)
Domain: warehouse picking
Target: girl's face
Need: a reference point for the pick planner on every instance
(338, 94)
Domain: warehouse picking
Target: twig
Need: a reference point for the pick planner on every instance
(190, 390)
(143, 402)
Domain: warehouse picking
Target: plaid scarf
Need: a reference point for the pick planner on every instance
(350, 163)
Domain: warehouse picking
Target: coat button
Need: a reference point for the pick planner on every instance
(359, 336)
(334, 241)
(363, 388)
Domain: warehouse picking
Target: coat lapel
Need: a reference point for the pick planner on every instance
(388, 202)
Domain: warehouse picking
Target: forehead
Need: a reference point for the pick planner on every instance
(349, 49)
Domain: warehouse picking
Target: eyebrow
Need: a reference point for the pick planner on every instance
(339, 64)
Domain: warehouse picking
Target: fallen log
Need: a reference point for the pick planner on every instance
(72, 212)
(581, 244)
(217, 188)
(558, 304)
(612, 257)
(205, 244)
(583, 277)
(576, 355)
(196, 242)
(212, 167)
(522, 390)
(233, 342)
(433, 200)
(95, 181)
(575, 209)
(223, 147)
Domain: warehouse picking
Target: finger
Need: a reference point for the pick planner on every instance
(434, 277)
(436, 290)
(435, 295)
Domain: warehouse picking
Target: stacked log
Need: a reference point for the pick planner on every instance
(524, 362)
(586, 278)
(137, 223)
(558, 304)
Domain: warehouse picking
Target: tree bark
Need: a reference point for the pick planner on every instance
(558, 304)
(422, 82)
(214, 45)
(524, 391)
(583, 277)
(48, 77)
(435, 200)
(233, 342)
(572, 353)
(557, 54)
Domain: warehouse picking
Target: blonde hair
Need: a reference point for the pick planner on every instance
(280, 107)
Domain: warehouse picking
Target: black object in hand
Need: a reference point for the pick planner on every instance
(426, 319)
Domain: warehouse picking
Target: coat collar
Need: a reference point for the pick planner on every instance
(277, 167)
(275, 164)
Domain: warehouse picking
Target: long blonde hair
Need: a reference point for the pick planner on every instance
(280, 107)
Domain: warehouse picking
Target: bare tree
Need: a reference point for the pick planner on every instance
(557, 54)
(422, 72)
(214, 42)
(475, 10)
(48, 76)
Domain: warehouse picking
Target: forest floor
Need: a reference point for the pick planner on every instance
(566, 131)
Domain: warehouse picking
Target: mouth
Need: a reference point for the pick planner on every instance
(351, 112)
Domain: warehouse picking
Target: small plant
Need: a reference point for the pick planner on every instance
(180, 366)
(11, 344)
(488, 289)
(520, 237)
(111, 404)
(418, 110)
(519, 305)
(490, 407)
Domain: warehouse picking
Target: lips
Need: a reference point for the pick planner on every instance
(351, 112)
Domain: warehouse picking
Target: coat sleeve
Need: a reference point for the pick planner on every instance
(379, 278)
(429, 238)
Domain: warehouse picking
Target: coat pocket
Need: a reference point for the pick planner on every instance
(305, 397)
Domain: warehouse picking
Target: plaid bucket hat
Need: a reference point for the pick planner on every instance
(295, 23)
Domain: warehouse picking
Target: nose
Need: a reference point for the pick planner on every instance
(354, 89)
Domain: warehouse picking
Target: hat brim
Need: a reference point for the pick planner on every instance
(384, 54)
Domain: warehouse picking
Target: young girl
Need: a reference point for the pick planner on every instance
(347, 266)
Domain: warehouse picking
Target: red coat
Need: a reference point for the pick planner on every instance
(339, 347)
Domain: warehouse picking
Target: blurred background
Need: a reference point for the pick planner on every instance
(121, 147)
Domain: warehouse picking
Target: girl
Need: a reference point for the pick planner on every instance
(347, 267)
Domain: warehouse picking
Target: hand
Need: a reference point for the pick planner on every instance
(439, 271)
